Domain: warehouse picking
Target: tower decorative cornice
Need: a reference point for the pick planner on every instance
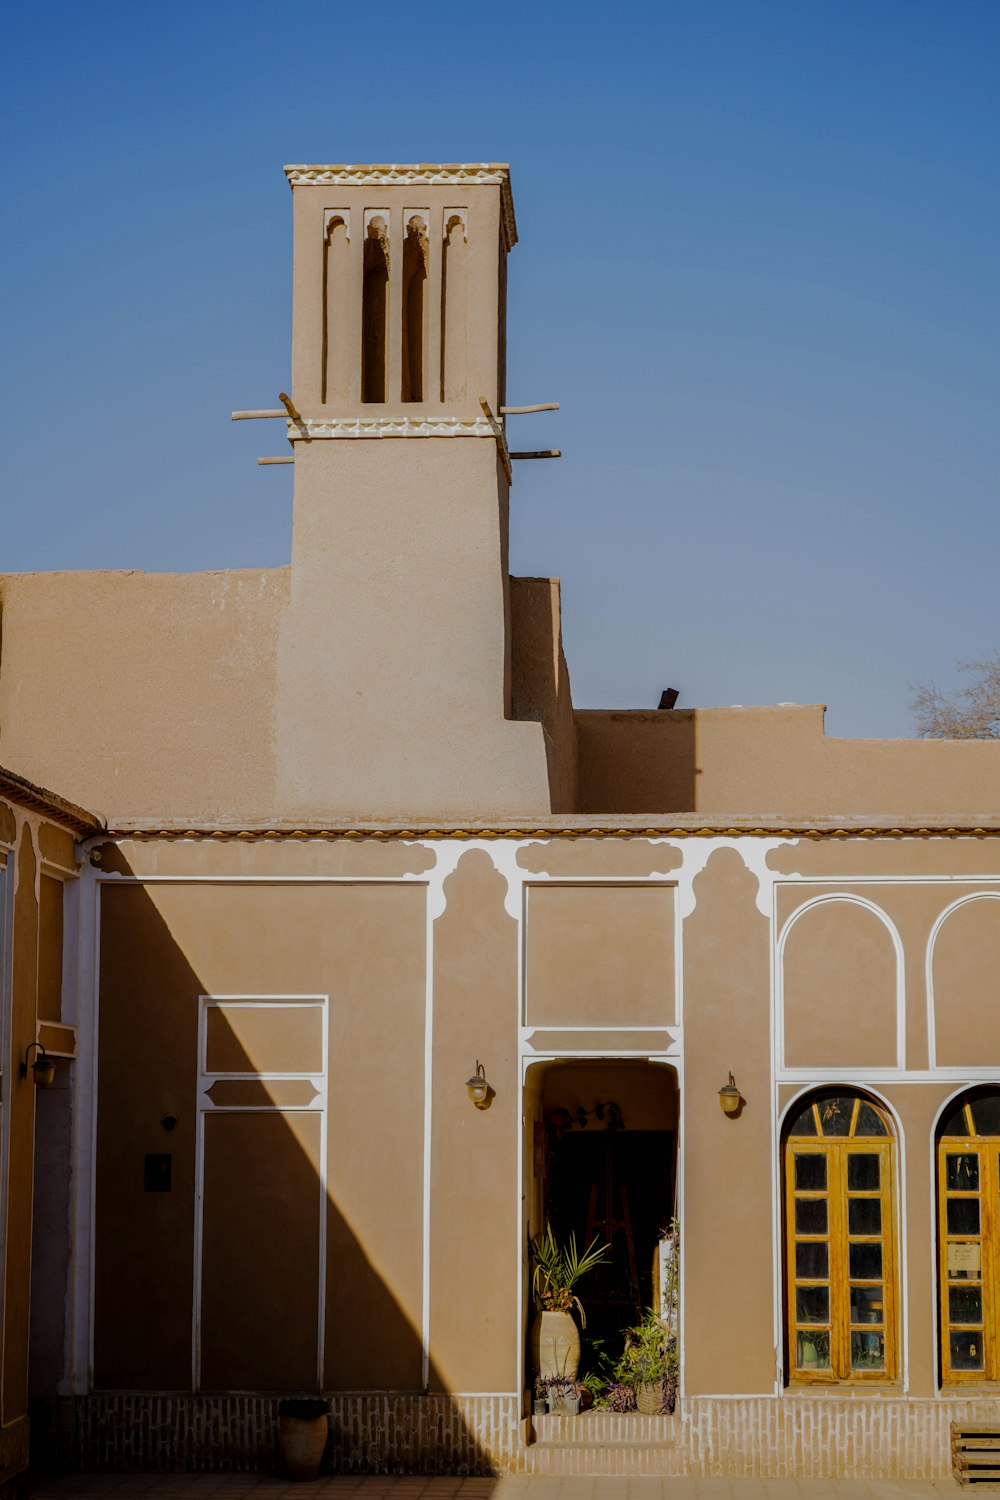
(393, 174)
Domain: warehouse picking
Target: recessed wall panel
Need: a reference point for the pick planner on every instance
(966, 975)
(600, 955)
(260, 1251)
(839, 982)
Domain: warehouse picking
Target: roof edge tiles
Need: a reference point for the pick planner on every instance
(39, 799)
(582, 827)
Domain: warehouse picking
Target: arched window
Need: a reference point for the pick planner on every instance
(839, 1160)
(968, 1157)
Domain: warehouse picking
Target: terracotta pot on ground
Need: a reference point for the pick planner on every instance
(303, 1428)
(555, 1345)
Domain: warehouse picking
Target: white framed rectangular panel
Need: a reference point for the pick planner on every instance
(261, 1192)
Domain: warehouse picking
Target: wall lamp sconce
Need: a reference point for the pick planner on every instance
(479, 1090)
(43, 1069)
(730, 1098)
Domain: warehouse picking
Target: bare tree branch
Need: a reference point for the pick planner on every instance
(970, 713)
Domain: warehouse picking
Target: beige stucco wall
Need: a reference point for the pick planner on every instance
(144, 694)
(771, 760)
(364, 944)
(395, 650)
(540, 687)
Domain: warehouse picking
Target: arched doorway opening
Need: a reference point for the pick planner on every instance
(968, 1189)
(601, 1161)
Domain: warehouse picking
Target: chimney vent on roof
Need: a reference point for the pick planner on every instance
(669, 696)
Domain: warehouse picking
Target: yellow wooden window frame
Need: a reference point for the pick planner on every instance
(841, 1331)
(967, 1260)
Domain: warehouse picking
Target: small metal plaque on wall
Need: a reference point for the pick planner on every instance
(159, 1167)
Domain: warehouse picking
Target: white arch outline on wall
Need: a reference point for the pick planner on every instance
(929, 968)
(779, 978)
(899, 1208)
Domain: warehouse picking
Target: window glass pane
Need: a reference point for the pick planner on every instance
(810, 1216)
(962, 1172)
(966, 1350)
(953, 1123)
(867, 1351)
(805, 1123)
(867, 1304)
(812, 1350)
(864, 1216)
(964, 1259)
(866, 1261)
(870, 1121)
(835, 1114)
(986, 1112)
(963, 1215)
(965, 1304)
(812, 1258)
(812, 1304)
(863, 1175)
(810, 1172)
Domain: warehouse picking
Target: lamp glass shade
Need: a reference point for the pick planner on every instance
(729, 1097)
(43, 1070)
(478, 1089)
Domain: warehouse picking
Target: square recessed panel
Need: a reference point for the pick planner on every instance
(264, 1037)
(600, 955)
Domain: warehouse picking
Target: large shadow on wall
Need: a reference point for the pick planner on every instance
(209, 1231)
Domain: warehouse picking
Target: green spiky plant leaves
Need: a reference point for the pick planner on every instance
(558, 1268)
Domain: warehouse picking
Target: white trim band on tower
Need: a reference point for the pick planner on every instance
(388, 427)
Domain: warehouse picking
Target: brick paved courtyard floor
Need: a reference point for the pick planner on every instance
(510, 1487)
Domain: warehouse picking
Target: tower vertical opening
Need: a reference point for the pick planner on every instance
(414, 304)
(374, 312)
(454, 293)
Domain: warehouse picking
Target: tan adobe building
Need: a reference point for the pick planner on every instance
(350, 840)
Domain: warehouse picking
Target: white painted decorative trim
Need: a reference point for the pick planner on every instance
(428, 1125)
(931, 942)
(850, 900)
(584, 1028)
(311, 428)
(394, 174)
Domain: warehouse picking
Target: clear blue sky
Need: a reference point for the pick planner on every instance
(758, 267)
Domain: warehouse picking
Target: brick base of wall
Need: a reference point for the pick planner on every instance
(768, 1436)
(370, 1434)
(14, 1447)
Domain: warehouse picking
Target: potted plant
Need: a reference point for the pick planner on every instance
(303, 1428)
(649, 1365)
(555, 1338)
(564, 1398)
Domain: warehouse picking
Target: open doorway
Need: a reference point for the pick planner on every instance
(603, 1145)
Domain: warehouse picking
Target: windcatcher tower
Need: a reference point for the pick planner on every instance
(395, 658)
